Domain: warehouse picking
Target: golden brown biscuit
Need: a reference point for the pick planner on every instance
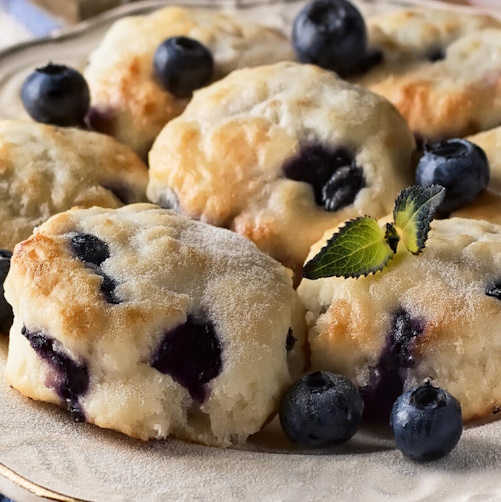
(127, 100)
(143, 321)
(408, 37)
(440, 68)
(281, 153)
(45, 170)
(433, 316)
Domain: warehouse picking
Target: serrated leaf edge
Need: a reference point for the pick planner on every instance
(421, 243)
(342, 230)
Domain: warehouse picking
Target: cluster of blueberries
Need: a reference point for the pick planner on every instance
(323, 409)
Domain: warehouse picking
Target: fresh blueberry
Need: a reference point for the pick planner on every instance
(321, 409)
(459, 166)
(435, 55)
(89, 248)
(494, 290)
(3, 498)
(56, 94)
(6, 314)
(191, 355)
(427, 423)
(342, 188)
(183, 65)
(330, 34)
(331, 172)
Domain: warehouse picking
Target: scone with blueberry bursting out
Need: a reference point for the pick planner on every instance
(141, 320)
(45, 170)
(435, 316)
(280, 154)
(130, 102)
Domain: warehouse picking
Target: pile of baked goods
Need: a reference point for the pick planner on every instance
(173, 223)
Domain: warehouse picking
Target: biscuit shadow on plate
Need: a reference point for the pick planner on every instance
(272, 439)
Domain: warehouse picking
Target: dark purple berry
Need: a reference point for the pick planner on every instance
(321, 409)
(427, 423)
(108, 287)
(183, 65)
(72, 378)
(90, 249)
(6, 314)
(332, 173)
(56, 94)
(459, 166)
(494, 290)
(387, 378)
(331, 34)
(191, 355)
(290, 341)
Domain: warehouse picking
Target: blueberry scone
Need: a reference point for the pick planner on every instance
(143, 321)
(440, 68)
(488, 205)
(45, 170)
(130, 103)
(280, 154)
(434, 316)
(407, 38)
(454, 96)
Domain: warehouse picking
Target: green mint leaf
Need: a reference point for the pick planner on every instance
(359, 248)
(413, 212)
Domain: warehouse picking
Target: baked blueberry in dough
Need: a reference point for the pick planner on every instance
(45, 170)
(130, 103)
(143, 321)
(433, 316)
(439, 68)
(280, 154)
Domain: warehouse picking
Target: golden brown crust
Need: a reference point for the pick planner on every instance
(164, 268)
(456, 96)
(46, 169)
(124, 90)
(443, 290)
(222, 160)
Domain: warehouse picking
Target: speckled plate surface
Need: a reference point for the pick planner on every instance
(44, 456)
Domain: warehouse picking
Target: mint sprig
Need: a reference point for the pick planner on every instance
(362, 247)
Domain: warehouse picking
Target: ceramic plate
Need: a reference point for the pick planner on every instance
(45, 456)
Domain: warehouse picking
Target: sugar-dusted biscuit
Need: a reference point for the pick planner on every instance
(146, 322)
(280, 154)
(435, 316)
(45, 170)
(129, 103)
